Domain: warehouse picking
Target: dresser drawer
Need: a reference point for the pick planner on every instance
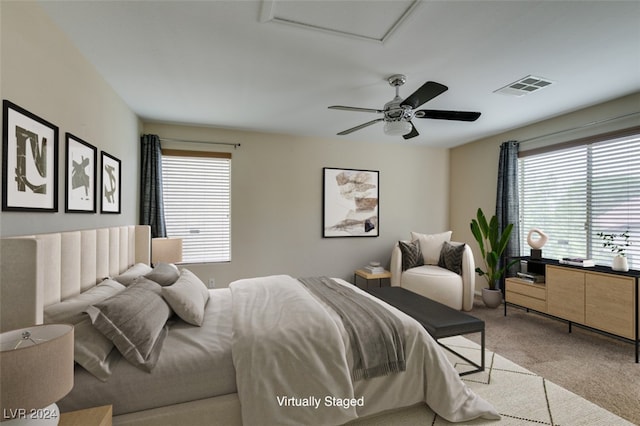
(526, 301)
(537, 291)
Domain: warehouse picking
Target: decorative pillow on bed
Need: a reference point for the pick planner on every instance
(129, 276)
(90, 348)
(135, 321)
(187, 297)
(431, 245)
(451, 257)
(93, 351)
(164, 274)
(411, 254)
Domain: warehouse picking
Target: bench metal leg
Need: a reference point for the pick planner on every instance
(480, 367)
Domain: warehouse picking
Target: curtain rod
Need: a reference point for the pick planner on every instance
(234, 145)
(592, 123)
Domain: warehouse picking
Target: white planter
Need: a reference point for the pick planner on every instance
(619, 263)
(491, 298)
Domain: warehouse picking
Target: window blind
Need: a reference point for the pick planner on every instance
(572, 194)
(197, 202)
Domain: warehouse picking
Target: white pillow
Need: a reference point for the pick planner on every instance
(431, 245)
(187, 297)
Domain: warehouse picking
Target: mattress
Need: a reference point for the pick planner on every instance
(195, 363)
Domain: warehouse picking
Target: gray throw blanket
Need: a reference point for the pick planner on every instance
(376, 334)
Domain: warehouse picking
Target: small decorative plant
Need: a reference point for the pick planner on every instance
(617, 243)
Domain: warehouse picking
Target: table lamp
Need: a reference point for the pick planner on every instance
(36, 370)
(167, 250)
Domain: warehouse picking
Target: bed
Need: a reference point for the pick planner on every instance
(203, 373)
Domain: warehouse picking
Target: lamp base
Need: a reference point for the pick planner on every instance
(48, 416)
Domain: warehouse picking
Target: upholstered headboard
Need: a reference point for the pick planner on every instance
(38, 270)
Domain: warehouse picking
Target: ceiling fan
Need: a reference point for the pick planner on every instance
(398, 113)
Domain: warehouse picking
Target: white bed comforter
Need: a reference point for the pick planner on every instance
(293, 363)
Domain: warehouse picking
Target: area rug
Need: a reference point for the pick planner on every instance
(520, 396)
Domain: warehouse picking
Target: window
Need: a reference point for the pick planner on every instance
(579, 189)
(197, 201)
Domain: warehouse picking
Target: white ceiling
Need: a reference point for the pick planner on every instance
(252, 65)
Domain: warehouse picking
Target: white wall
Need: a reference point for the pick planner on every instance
(42, 72)
(277, 200)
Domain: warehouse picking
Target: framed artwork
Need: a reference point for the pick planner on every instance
(80, 175)
(350, 203)
(110, 184)
(29, 161)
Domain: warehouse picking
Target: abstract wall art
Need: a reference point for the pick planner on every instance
(29, 161)
(110, 184)
(350, 203)
(80, 176)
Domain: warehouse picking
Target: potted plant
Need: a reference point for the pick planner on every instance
(619, 250)
(492, 245)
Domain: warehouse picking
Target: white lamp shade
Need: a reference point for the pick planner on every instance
(38, 371)
(167, 250)
(395, 128)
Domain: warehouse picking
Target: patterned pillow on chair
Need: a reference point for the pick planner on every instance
(451, 257)
(411, 254)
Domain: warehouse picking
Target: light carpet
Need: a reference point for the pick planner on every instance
(520, 396)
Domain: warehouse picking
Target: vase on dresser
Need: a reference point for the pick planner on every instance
(619, 263)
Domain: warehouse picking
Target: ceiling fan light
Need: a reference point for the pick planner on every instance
(396, 128)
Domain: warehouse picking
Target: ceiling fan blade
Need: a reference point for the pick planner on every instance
(412, 134)
(362, 126)
(348, 108)
(428, 91)
(447, 115)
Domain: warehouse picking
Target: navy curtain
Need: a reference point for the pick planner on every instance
(507, 203)
(151, 202)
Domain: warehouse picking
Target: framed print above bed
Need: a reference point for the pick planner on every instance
(350, 203)
(110, 184)
(29, 161)
(80, 175)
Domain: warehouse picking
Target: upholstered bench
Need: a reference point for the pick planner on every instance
(439, 320)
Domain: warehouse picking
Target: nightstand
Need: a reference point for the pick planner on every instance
(97, 416)
(367, 276)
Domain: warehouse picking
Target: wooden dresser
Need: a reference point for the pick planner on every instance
(595, 297)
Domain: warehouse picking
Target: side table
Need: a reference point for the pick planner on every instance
(368, 277)
(97, 416)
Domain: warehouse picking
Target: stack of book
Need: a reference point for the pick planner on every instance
(577, 261)
(531, 277)
(374, 268)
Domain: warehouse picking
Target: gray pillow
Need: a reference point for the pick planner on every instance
(451, 257)
(164, 274)
(129, 276)
(187, 297)
(411, 254)
(135, 321)
(91, 349)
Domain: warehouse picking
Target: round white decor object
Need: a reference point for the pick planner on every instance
(540, 241)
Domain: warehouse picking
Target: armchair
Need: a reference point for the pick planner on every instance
(433, 281)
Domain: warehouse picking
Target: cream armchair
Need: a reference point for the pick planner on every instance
(435, 282)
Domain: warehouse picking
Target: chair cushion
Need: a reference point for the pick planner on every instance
(431, 245)
(435, 283)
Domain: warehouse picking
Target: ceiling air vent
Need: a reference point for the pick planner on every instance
(524, 86)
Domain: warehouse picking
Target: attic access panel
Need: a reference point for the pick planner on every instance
(372, 21)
